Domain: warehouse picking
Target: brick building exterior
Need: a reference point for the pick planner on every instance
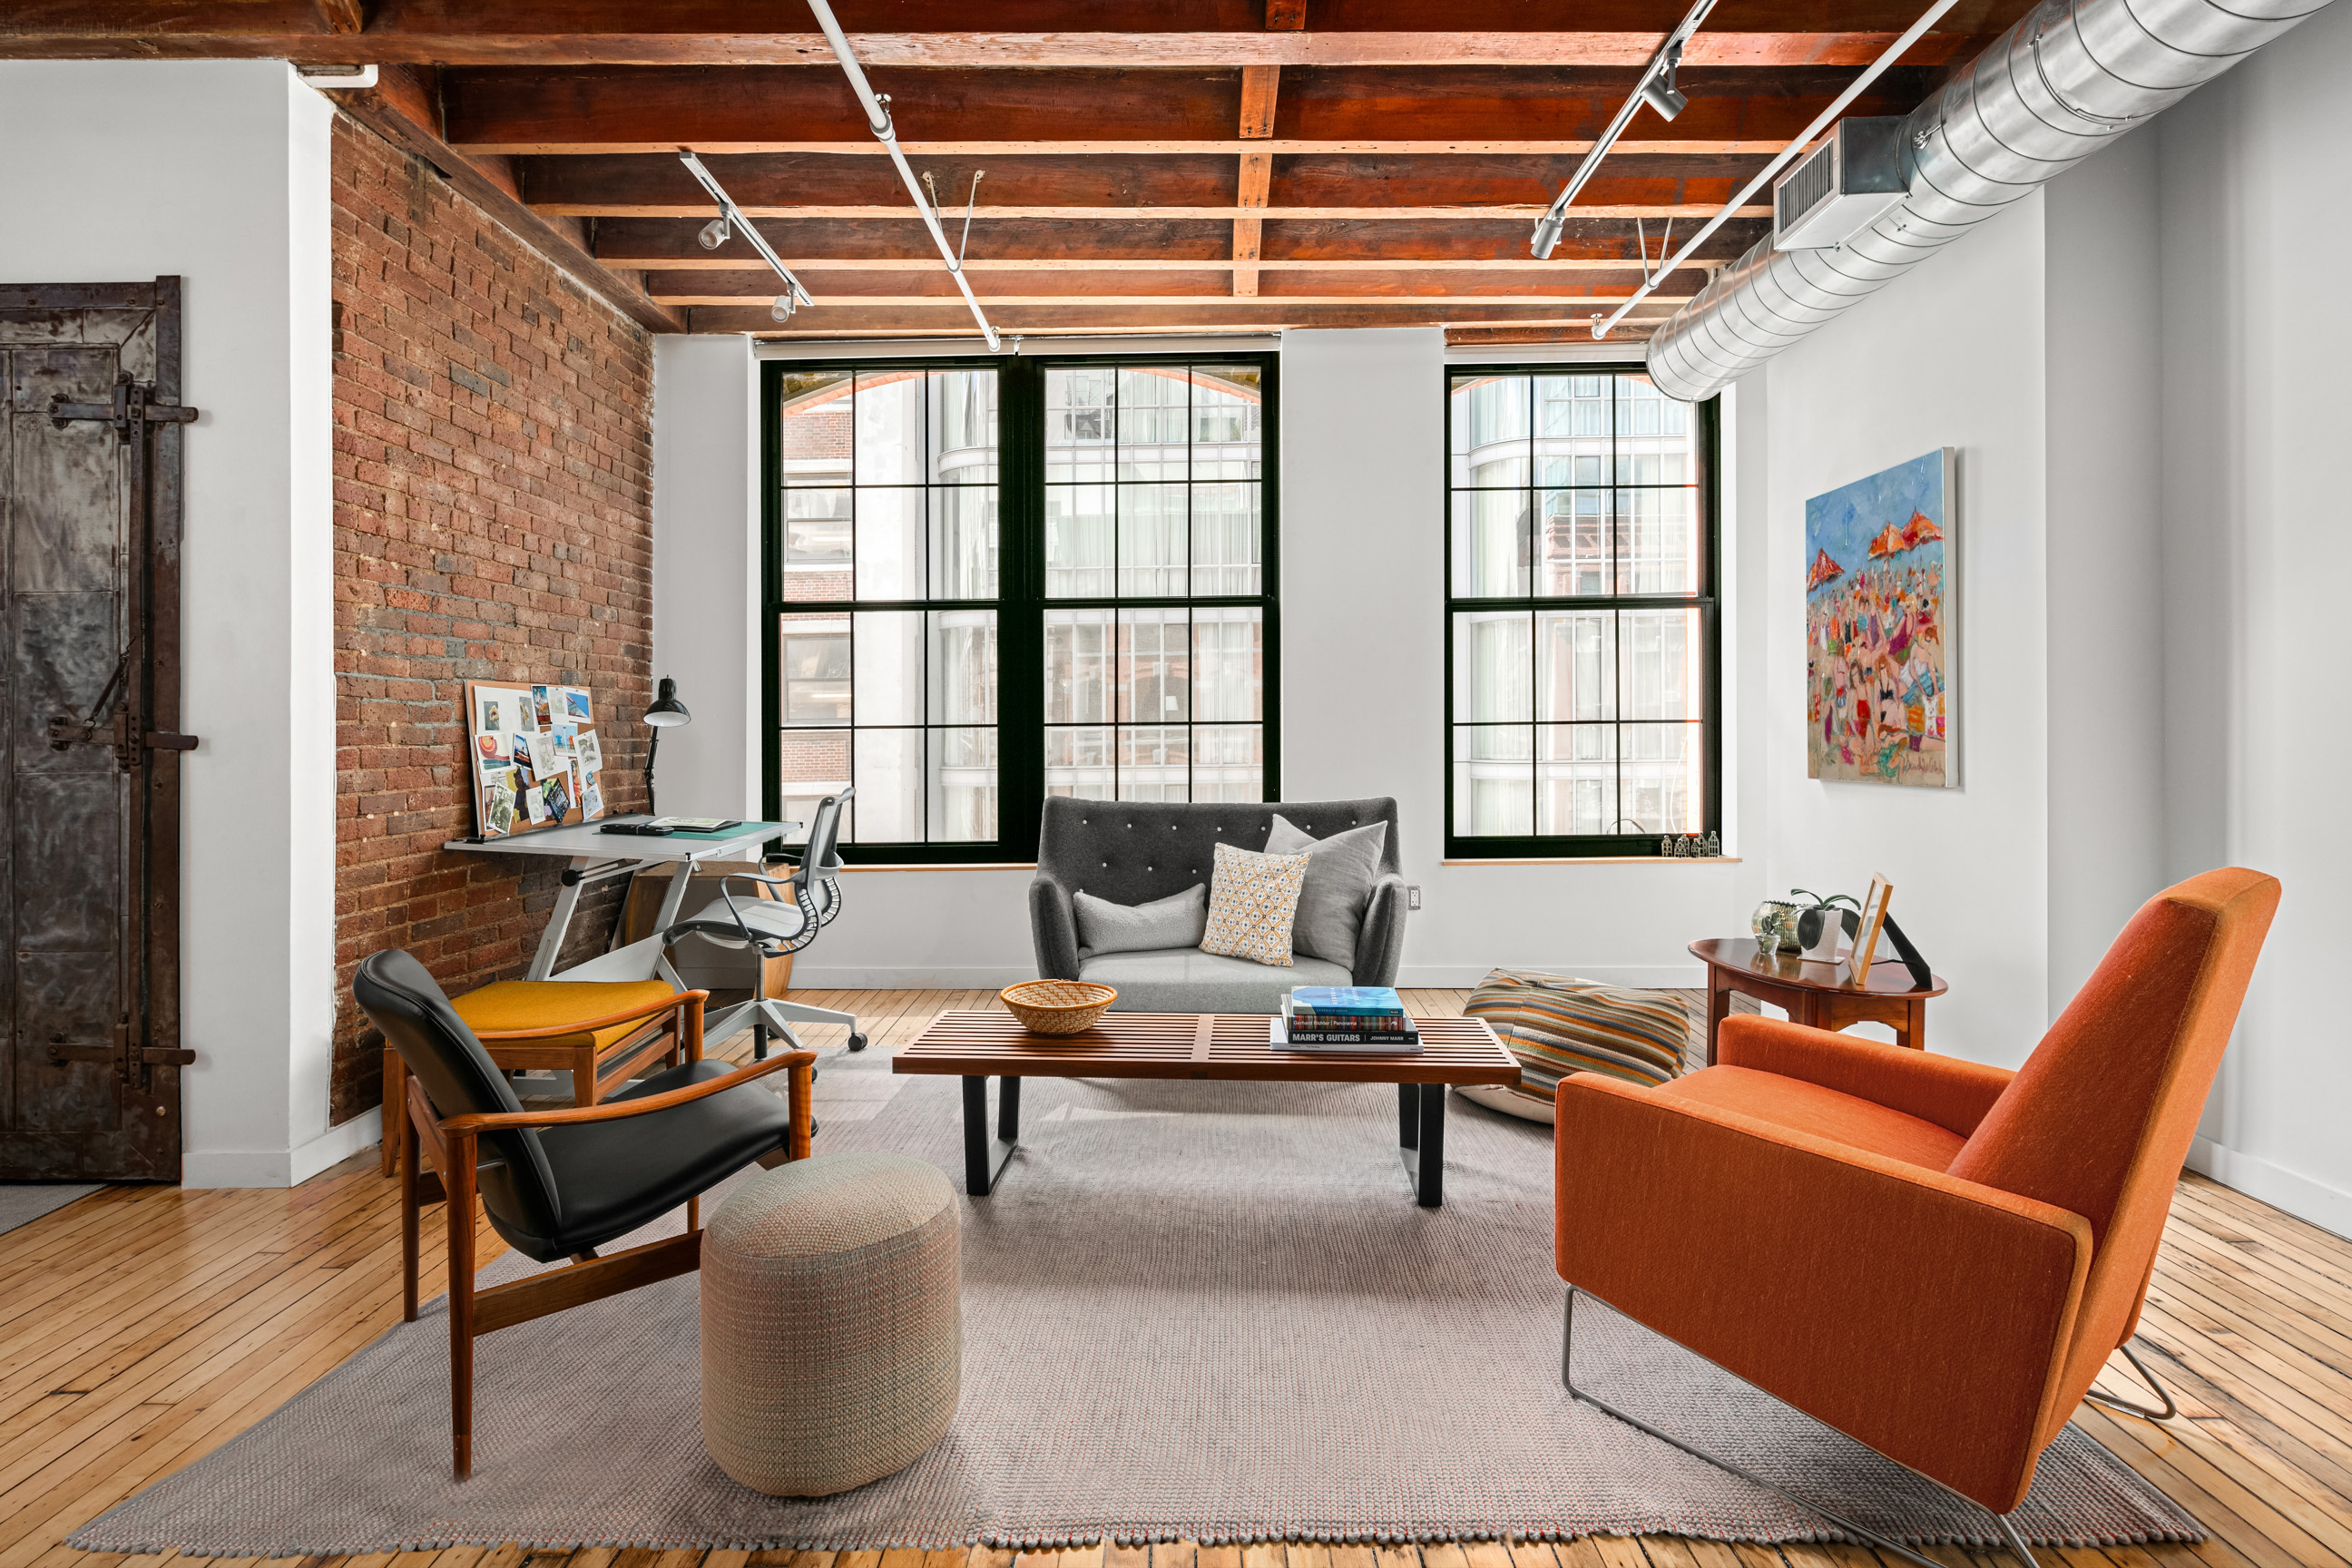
(493, 519)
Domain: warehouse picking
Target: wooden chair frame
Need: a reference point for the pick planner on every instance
(595, 1073)
(451, 1144)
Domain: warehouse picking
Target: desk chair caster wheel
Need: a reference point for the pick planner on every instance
(857, 1042)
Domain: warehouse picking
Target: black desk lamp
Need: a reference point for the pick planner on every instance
(666, 710)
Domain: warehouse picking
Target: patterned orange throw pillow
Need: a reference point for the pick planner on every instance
(1252, 898)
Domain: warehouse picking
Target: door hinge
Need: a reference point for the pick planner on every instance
(81, 1053)
(156, 1055)
(161, 740)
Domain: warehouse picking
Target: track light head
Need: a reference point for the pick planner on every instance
(1547, 234)
(783, 309)
(1659, 92)
(714, 234)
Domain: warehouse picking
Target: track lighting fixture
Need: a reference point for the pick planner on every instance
(730, 218)
(1658, 90)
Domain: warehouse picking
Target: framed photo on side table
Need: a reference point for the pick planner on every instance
(534, 757)
(1867, 926)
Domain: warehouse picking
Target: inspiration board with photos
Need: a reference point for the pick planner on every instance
(535, 757)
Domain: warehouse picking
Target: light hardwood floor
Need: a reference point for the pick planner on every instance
(141, 1327)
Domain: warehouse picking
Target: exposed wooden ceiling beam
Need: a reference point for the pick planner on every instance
(1318, 186)
(400, 109)
(952, 320)
(999, 243)
(1261, 86)
(938, 33)
(1438, 110)
(1198, 285)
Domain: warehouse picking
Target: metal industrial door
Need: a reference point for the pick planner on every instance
(89, 795)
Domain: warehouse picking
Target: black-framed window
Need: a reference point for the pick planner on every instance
(994, 580)
(1582, 654)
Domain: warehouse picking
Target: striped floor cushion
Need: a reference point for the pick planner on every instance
(1556, 1025)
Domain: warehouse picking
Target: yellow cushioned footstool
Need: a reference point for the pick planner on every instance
(602, 1032)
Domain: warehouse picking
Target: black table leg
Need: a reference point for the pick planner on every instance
(1008, 1110)
(983, 1160)
(1431, 1188)
(1408, 1114)
(1424, 1106)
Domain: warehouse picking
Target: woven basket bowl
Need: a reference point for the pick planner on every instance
(1057, 1006)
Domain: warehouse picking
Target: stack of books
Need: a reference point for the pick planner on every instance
(1351, 1018)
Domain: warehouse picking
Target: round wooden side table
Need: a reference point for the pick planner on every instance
(1820, 994)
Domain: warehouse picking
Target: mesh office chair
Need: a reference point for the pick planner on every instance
(808, 900)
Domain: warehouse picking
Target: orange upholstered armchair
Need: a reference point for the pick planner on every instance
(1933, 1256)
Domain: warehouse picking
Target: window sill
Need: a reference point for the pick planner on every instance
(947, 866)
(1606, 861)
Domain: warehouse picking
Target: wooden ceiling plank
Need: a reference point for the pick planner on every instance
(1389, 186)
(986, 113)
(941, 34)
(1200, 285)
(997, 243)
(952, 320)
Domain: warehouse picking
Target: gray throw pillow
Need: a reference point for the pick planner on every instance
(1180, 919)
(1340, 871)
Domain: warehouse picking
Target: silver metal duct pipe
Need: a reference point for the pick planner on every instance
(2045, 95)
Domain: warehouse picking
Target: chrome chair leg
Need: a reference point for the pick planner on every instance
(2132, 1407)
(1568, 1381)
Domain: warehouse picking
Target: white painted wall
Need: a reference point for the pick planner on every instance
(2256, 550)
(1950, 355)
(1363, 628)
(707, 573)
(2104, 687)
(217, 171)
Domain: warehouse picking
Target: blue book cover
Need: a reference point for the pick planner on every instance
(1362, 999)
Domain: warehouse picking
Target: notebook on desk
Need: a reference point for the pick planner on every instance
(729, 829)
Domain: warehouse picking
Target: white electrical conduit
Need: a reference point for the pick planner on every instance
(733, 216)
(1827, 116)
(878, 119)
(1548, 228)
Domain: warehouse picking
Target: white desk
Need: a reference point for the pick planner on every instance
(597, 856)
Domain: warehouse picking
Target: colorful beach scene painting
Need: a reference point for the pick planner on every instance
(1878, 627)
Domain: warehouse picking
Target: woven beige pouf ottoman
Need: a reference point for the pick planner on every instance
(831, 1338)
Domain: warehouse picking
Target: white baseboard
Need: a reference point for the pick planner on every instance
(337, 1144)
(2299, 1196)
(280, 1167)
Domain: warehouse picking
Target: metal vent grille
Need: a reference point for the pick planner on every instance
(1804, 187)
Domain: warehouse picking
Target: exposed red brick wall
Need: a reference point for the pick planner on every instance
(493, 521)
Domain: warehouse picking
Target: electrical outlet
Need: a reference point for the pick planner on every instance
(1412, 895)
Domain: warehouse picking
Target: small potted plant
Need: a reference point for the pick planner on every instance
(1819, 923)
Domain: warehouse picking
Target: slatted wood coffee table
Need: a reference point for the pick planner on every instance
(979, 1045)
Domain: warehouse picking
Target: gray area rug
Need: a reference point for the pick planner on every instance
(1190, 1311)
(22, 1203)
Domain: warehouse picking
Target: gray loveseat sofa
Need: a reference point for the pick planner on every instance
(1131, 852)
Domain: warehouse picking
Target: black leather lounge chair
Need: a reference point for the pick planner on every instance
(561, 1183)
